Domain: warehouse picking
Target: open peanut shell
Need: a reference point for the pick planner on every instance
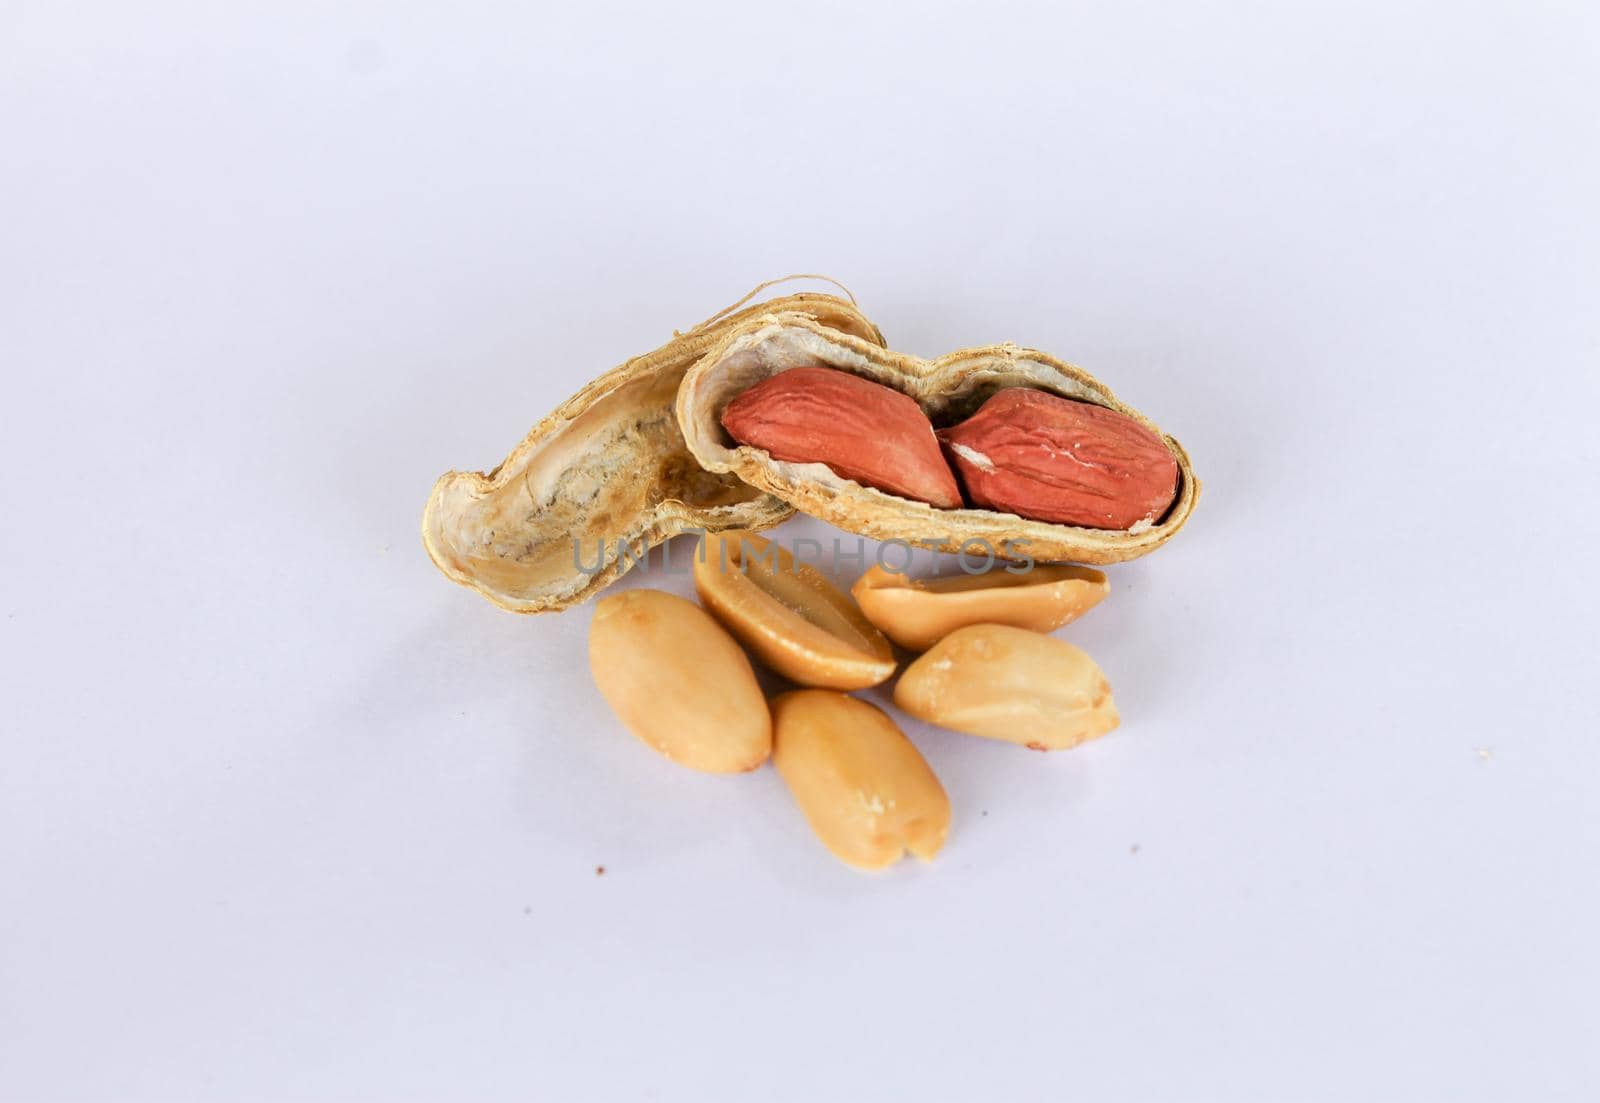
(608, 469)
(948, 389)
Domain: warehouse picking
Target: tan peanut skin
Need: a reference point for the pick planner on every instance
(867, 792)
(789, 614)
(917, 614)
(679, 682)
(1009, 683)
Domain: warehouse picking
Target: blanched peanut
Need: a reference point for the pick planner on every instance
(679, 682)
(867, 792)
(789, 614)
(1008, 683)
(917, 614)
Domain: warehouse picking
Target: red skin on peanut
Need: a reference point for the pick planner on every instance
(862, 430)
(1052, 459)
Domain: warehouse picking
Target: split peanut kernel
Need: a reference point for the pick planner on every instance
(679, 682)
(867, 792)
(789, 614)
(1008, 683)
(916, 614)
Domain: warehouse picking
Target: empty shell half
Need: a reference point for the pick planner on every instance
(604, 478)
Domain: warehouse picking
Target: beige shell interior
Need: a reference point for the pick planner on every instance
(603, 479)
(948, 390)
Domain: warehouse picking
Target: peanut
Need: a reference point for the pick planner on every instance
(866, 791)
(1008, 683)
(789, 614)
(860, 429)
(679, 682)
(1051, 459)
(917, 614)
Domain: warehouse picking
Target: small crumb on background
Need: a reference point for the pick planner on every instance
(1484, 753)
(599, 871)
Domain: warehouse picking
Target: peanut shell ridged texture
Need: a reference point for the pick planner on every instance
(867, 792)
(1074, 463)
(789, 614)
(916, 614)
(1008, 683)
(609, 467)
(679, 682)
(949, 390)
(862, 430)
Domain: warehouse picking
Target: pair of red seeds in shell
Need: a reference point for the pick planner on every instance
(1026, 452)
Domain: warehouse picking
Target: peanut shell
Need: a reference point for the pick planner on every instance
(948, 389)
(609, 465)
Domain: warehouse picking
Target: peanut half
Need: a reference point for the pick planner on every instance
(861, 429)
(789, 614)
(916, 614)
(866, 791)
(679, 682)
(1008, 683)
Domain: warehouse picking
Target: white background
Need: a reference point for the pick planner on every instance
(285, 815)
